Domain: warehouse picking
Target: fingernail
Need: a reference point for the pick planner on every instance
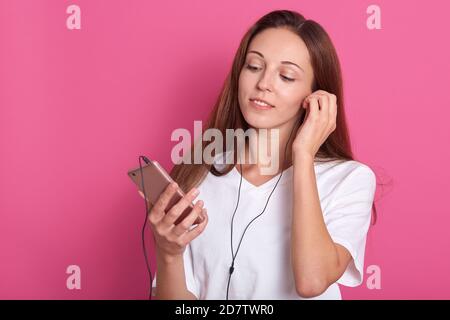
(195, 192)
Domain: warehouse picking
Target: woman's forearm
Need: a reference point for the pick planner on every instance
(313, 251)
(171, 280)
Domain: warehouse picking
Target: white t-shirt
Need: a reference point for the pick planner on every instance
(262, 268)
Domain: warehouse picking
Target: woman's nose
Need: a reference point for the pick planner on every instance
(265, 83)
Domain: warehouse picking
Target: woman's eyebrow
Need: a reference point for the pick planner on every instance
(283, 62)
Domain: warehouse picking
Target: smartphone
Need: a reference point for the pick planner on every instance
(156, 179)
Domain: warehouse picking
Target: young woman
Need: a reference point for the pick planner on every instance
(296, 234)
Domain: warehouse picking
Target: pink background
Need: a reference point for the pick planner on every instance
(79, 106)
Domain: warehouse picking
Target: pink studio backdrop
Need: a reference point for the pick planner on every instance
(79, 106)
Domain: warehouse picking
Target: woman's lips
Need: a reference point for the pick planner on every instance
(259, 107)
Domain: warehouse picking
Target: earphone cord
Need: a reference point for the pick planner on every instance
(143, 227)
(237, 205)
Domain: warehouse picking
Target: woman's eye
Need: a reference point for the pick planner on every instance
(250, 67)
(287, 79)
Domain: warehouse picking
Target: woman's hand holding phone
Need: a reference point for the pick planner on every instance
(171, 239)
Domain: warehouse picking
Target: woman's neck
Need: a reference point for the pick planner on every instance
(273, 155)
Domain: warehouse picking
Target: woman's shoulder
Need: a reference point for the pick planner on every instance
(346, 169)
(346, 181)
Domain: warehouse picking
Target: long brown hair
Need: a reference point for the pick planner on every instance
(226, 113)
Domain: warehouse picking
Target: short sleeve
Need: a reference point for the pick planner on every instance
(188, 272)
(348, 219)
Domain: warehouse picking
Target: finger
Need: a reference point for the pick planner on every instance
(158, 211)
(319, 92)
(329, 112)
(312, 96)
(194, 232)
(324, 108)
(173, 214)
(323, 103)
(313, 107)
(333, 108)
(327, 104)
(187, 222)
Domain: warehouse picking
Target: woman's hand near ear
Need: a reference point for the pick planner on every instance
(319, 123)
(317, 262)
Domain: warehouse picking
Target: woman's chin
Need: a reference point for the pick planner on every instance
(258, 120)
(261, 124)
